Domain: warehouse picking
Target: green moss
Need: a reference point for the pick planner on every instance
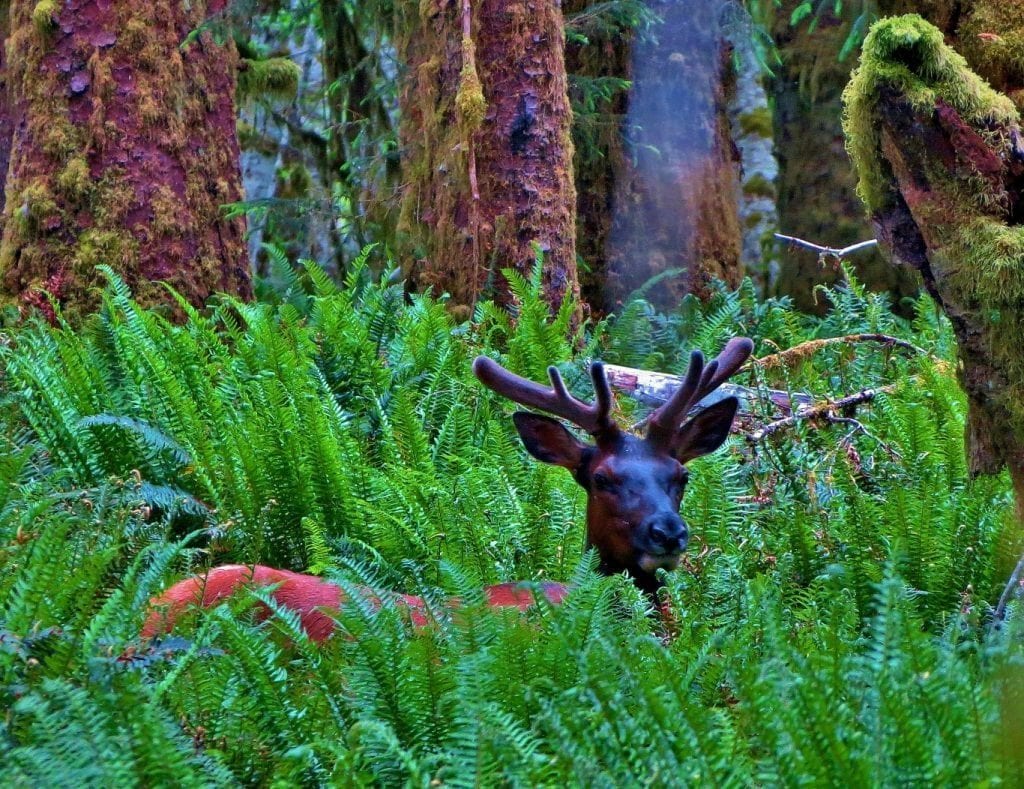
(757, 123)
(102, 247)
(987, 263)
(36, 205)
(759, 186)
(908, 55)
(44, 15)
(469, 99)
(273, 77)
(74, 180)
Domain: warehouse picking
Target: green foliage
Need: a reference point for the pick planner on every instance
(830, 621)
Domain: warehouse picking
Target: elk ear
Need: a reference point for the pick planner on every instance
(706, 432)
(548, 440)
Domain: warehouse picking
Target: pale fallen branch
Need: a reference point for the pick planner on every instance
(653, 389)
(837, 253)
(818, 411)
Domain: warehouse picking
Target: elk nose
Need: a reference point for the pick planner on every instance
(667, 531)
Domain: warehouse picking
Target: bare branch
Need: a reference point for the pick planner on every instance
(1016, 583)
(827, 252)
(826, 409)
(654, 389)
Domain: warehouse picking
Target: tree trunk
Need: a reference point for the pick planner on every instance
(6, 113)
(817, 199)
(815, 187)
(486, 149)
(599, 63)
(124, 152)
(659, 186)
(677, 207)
(940, 158)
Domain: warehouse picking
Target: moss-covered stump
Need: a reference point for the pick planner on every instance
(940, 159)
(487, 156)
(124, 152)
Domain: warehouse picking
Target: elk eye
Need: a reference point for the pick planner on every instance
(602, 481)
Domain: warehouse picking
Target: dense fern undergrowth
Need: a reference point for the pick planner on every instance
(831, 625)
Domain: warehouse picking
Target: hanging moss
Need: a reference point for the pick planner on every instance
(469, 99)
(274, 77)
(44, 15)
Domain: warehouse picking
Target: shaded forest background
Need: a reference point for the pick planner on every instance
(693, 131)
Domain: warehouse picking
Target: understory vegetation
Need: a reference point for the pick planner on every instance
(832, 622)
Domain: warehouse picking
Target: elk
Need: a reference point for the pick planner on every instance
(634, 488)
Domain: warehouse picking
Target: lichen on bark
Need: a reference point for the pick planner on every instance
(113, 110)
(940, 160)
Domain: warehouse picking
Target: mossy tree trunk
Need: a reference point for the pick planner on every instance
(487, 155)
(815, 187)
(124, 151)
(6, 111)
(940, 158)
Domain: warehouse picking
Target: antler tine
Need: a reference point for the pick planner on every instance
(698, 384)
(557, 400)
(732, 357)
(602, 393)
(668, 415)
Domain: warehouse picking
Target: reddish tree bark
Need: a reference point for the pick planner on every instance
(6, 118)
(486, 148)
(123, 153)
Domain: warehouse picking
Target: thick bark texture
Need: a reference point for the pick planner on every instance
(486, 149)
(124, 151)
(940, 159)
(6, 114)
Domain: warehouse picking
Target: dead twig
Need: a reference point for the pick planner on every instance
(827, 253)
(821, 410)
(1015, 583)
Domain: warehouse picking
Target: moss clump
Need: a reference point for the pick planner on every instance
(44, 15)
(987, 260)
(908, 55)
(759, 186)
(469, 99)
(37, 206)
(74, 180)
(103, 247)
(274, 77)
(757, 122)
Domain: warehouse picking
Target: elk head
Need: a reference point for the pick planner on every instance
(634, 484)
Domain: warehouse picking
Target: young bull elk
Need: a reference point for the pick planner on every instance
(634, 488)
